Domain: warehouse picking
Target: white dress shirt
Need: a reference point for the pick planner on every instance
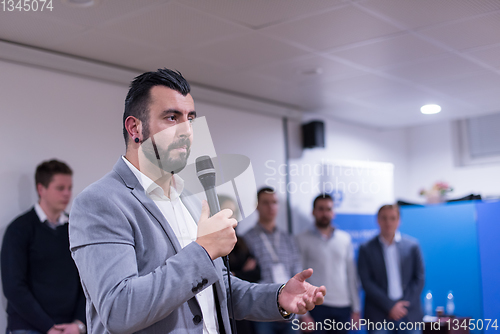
(63, 217)
(392, 266)
(332, 259)
(185, 229)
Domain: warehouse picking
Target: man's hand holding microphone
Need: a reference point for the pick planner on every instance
(216, 234)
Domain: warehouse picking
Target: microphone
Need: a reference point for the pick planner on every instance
(206, 174)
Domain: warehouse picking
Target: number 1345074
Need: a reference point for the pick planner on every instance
(471, 324)
(26, 5)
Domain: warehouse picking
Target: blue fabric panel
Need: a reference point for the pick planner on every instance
(449, 241)
(488, 226)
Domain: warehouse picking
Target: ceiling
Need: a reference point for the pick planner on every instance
(370, 62)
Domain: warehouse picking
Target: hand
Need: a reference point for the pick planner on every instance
(298, 296)
(355, 316)
(216, 234)
(54, 330)
(71, 328)
(306, 318)
(399, 310)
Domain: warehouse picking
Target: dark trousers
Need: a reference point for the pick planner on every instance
(338, 314)
(280, 327)
(245, 327)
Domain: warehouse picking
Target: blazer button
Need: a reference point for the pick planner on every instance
(194, 290)
(204, 281)
(197, 319)
(200, 285)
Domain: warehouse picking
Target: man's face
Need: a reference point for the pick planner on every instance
(58, 193)
(388, 220)
(267, 206)
(323, 212)
(170, 116)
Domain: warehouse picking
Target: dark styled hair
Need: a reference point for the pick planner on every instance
(321, 197)
(47, 169)
(267, 190)
(138, 97)
(388, 206)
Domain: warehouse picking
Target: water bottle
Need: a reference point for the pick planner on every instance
(428, 303)
(450, 304)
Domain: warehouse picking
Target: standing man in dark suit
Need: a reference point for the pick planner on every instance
(391, 270)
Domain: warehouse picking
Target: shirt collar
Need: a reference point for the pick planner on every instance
(262, 229)
(397, 238)
(63, 217)
(152, 189)
(317, 232)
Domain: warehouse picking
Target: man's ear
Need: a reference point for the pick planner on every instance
(133, 127)
(39, 189)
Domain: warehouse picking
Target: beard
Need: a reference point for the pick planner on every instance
(165, 160)
(323, 222)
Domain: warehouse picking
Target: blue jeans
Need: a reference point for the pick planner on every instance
(340, 314)
(282, 327)
(395, 329)
(23, 331)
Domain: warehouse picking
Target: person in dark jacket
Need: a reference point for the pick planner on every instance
(40, 279)
(391, 270)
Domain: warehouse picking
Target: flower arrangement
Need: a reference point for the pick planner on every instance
(437, 193)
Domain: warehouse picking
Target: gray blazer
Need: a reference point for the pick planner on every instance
(373, 275)
(135, 275)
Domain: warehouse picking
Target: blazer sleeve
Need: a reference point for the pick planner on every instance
(372, 291)
(415, 286)
(106, 260)
(254, 301)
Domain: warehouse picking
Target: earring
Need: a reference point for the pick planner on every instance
(136, 139)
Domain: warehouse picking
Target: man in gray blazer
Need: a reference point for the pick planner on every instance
(391, 270)
(148, 254)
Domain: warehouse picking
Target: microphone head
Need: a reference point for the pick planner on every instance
(205, 171)
(203, 163)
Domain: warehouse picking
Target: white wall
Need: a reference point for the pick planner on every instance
(51, 115)
(256, 136)
(431, 159)
(349, 142)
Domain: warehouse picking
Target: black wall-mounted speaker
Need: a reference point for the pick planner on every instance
(313, 134)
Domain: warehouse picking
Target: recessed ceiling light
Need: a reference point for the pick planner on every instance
(81, 3)
(429, 109)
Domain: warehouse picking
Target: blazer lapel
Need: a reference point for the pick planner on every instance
(193, 205)
(383, 268)
(138, 192)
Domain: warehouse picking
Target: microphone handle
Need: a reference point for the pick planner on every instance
(213, 201)
(213, 204)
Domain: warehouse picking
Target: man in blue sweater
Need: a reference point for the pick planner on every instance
(40, 279)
